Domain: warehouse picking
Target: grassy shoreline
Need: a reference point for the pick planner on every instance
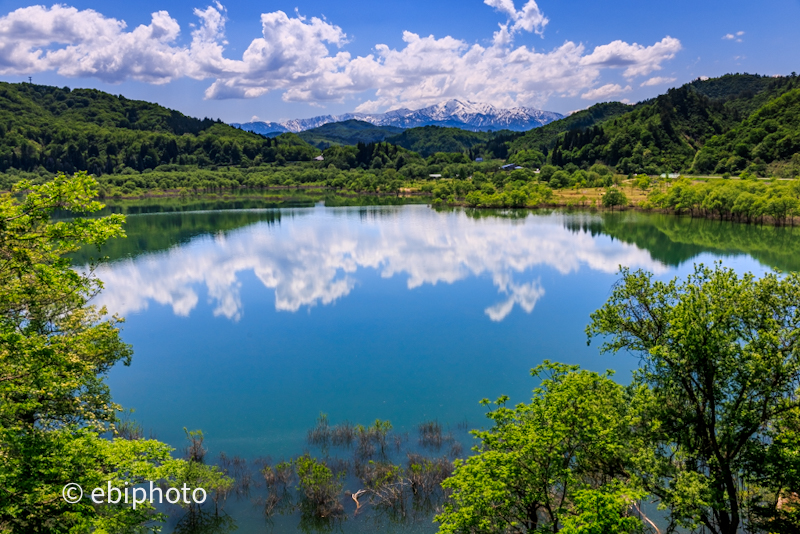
(677, 196)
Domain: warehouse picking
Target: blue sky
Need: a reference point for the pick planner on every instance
(237, 60)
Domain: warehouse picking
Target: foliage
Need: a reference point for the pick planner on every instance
(531, 465)
(530, 158)
(54, 352)
(48, 129)
(614, 197)
(642, 181)
(513, 195)
(370, 156)
(604, 511)
(386, 485)
(349, 132)
(732, 86)
(670, 132)
(740, 200)
(720, 358)
(53, 345)
(320, 487)
(544, 138)
(427, 140)
(770, 134)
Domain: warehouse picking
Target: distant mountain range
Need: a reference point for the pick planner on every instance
(453, 113)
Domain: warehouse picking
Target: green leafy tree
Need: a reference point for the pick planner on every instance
(319, 486)
(642, 181)
(614, 197)
(604, 511)
(720, 358)
(559, 179)
(54, 352)
(531, 466)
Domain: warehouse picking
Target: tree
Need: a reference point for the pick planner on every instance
(614, 197)
(720, 360)
(604, 511)
(54, 352)
(320, 487)
(559, 179)
(642, 181)
(533, 464)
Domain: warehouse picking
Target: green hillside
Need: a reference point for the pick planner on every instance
(771, 134)
(370, 156)
(349, 132)
(667, 133)
(428, 140)
(49, 129)
(545, 137)
(732, 86)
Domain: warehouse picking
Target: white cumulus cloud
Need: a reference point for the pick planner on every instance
(92, 45)
(305, 58)
(529, 18)
(656, 80)
(606, 91)
(637, 60)
(730, 36)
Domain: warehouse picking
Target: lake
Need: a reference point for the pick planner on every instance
(249, 323)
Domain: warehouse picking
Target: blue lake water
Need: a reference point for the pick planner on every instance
(249, 324)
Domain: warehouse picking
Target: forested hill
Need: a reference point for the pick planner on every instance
(427, 140)
(771, 134)
(741, 87)
(53, 129)
(725, 125)
(545, 137)
(350, 132)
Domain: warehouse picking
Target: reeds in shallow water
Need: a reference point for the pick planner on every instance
(430, 435)
(314, 486)
(426, 475)
(320, 435)
(237, 468)
(343, 435)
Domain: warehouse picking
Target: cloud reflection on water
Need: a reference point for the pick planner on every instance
(314, 259)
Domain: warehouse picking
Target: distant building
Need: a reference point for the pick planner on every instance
(320, 158)
(478, 160)
(510, 167)
(435, 175)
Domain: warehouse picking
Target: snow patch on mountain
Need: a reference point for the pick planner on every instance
(462, 114)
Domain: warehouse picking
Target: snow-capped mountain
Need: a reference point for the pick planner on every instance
(455, 113)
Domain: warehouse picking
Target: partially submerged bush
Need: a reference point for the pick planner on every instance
(319, 486)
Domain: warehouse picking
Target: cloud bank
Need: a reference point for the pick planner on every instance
(305, 58)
